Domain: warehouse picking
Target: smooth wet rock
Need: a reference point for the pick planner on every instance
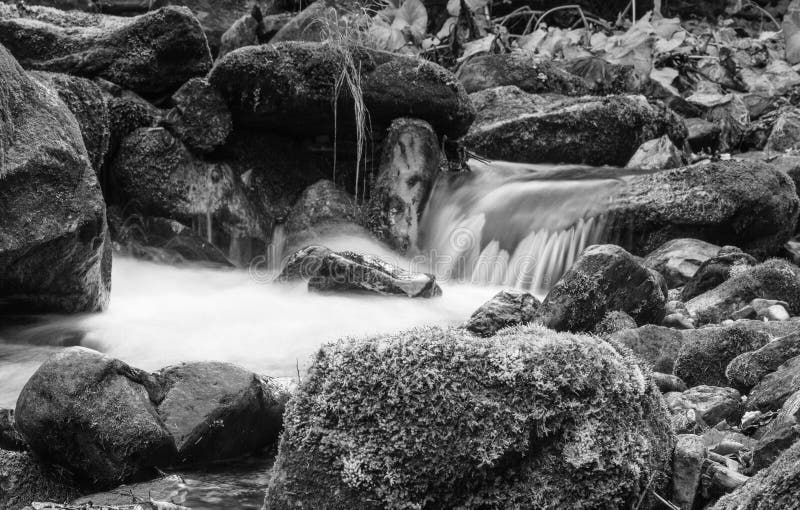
(605, 278)
(322, 210)
(748, 369)
(709, 405)
(774, 488)
(715, 270)
(513, 126)
(329, 271)
(679, 259)
(289, 87)
(657, 346)
(200, 117)
(53, 234)
(687, 464)
(507, 308)
(521, 69)
(24, 480)
(667, 383)
(93, 415)
(151, 54)
(776, 388)
(217, 411)
(441, 443)
(779, 435)
(88, 104)
(614, 322)
(657, 154)
(774, 279)
(409, 165)
(748, 204)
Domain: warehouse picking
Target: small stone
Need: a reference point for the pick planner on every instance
(507, 308)
(677, 321)
(658, 154)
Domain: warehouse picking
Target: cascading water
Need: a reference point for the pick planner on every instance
(514, 225)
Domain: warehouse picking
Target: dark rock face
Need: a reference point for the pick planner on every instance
(774, 488)
(588, 130)
(679, 259)
(322, 209)
(235, 415)
(151, 54)
(776, 388)
(52, 236)
(92, 414)
(200, 118)
(290, 88)
(328, 271)
(775, 279)
(750, 205)
(748, 369)
(371, 456)
(520, 69)
(605, 278)
(657, 346)
(24, 480)
(780, 434)
(410, 162)
(716, 270)
(507, 308)
(88, 104)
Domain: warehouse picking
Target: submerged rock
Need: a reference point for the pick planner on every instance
(605, 278)
(598, 131)
(679, 259)
(151, 54)
(329, 271)
(748, 369)
(774, 279)
(52, 236)
(717, 269)
(290, 87)
(507, 308)
(488, 433)
(409, 165)
(747, 204)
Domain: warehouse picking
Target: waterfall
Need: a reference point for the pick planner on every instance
(514, 225)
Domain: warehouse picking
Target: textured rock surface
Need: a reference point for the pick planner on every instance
(52, 236)
(200, 117)
(711, 273)
(507, 308)
(776, 388)
(323, 209)
(655, 345)
(679, 259)
(687, 463)
(523, 70)
(24, 480)
(475, 439)
(748, 369)
(709, 404)
(780, 434)
(605, 278)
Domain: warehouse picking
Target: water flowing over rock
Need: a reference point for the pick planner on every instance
(329, 271)
(507, 308)
(746, 204)
(605, 278)
(151, 54)
(679, 259)
(290, 88)
(526, 439)
(57, 262)
(410, 162)
(514, 126)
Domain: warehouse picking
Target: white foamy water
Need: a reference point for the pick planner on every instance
(161, 315)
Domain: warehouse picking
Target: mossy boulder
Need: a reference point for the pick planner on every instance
(748, 369)
(774, 488)
(679, 259)
(290, 87)
(747, 204)
(605, 278)
(774, 279)
(588, 130)
(656, 346)
(151, 54)
(23, 480)
(439, 418)
(614, 322)
(53, 251)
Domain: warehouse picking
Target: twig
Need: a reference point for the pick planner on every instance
(664, 502)
(764, 12)
(561, 8)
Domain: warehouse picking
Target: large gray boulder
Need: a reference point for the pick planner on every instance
(515, 126)
(746, 204)
(774, 279)
(679, 259)
(52, 236)
(519, 420)
(605, 278)
(409, 165)
(290, 87)
(151, 54)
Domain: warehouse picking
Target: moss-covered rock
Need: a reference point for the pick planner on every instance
(438, 418)
(774, 488)
(748, 369)
(151, 54)
(605, 278)
(717, 269)
(746, 204)
(776, 388)
(774, 279)
(589, 130)
(657, 346)
(24, 480)
(614, 322)
(290, 87)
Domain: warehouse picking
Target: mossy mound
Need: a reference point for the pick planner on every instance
(438, 418)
